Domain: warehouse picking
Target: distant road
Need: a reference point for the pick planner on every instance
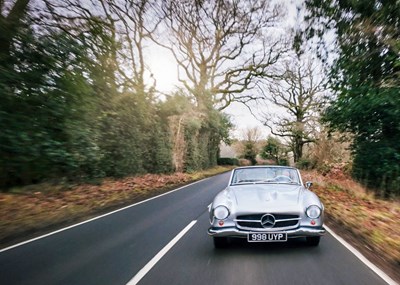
(115, 248)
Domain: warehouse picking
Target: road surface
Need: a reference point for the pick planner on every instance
(141, 244)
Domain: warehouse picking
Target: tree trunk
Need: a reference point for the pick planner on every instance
(297, 149)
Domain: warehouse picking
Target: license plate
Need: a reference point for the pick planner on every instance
(267, 237)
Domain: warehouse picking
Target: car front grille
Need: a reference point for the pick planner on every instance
(253, 221)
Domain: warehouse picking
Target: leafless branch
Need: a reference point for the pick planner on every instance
(219, 46)
(298, 92)
(128, 23)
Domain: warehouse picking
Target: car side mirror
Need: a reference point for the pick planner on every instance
(309, 184)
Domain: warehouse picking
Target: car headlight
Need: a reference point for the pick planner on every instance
(221, 212)
(313, 212)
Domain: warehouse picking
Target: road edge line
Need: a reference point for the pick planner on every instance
(142, 272)
(362, 258)
(98, 217)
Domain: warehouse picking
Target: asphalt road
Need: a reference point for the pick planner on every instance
(113, 249)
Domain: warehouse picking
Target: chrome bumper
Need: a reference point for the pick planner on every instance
(295, 233)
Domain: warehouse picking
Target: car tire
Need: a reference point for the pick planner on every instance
(313, 241)
(220, 242)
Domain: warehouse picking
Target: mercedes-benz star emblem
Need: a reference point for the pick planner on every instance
(268, 221)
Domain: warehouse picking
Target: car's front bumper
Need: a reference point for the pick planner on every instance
(293, 233)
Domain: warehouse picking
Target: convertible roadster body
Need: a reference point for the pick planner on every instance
(266, 204)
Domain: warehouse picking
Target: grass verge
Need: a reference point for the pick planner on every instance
(371, 225)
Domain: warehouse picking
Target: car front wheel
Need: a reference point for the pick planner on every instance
(313, 241)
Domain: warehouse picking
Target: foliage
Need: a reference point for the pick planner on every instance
(203, 138)
(305, 163)
(250, 152)
(68, 112)
(227, 161)
(365, 77)
(195, 134)
(249, 147)
(331, 148)
(274, 149)
(43, 92)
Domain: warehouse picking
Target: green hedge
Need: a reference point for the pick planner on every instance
(228, 161)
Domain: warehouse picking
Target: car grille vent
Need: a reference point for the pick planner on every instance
(253, 221)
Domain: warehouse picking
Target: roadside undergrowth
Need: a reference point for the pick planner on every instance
(32, 210)
(372, 224)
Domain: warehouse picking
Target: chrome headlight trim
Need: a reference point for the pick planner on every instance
(221, 212)
(313, 212)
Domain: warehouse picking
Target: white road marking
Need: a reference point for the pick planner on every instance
(363, 259)
(96, 218)
(159, 255)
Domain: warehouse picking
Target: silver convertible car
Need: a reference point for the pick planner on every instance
(266, 204)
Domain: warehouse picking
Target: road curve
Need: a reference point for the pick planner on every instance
(114, 248)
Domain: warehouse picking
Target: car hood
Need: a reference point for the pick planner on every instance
(265, 197)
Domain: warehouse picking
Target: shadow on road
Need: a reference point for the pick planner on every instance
(292, 245)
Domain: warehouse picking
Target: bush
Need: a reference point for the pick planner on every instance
(305, 163)
(244, 162)
(283, 162)
(228, 161)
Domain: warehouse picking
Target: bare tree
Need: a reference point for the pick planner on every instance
(222, 47)
(253, 134)
(128, 25)
(137, 22)
(297, 98)
(250, 144)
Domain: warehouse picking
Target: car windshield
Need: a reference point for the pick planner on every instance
(265, 175)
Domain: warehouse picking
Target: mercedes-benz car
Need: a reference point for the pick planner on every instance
(266, 204)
